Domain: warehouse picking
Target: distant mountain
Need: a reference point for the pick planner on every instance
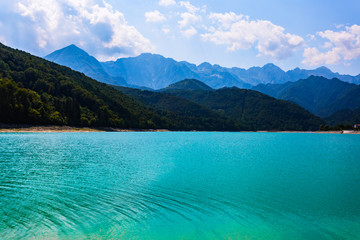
(319, 95)
(154, 71)
(344, 117)
(218, 77)
(298, 73)
(79, 60)
(269, 73)
(252, 108)
(149, 70)
(188, 84)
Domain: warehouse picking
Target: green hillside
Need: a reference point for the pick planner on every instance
(253, 109)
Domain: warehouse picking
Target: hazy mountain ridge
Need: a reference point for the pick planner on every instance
(155, 71)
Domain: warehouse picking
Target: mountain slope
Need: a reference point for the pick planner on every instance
(319, 95)
(252, 108)
(79, 60)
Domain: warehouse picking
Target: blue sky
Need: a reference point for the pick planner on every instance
(241, 33)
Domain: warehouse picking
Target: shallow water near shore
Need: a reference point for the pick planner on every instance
(172, 185)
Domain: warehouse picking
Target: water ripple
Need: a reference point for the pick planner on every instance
(112, 187)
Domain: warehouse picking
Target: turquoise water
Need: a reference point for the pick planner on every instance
(179, 186)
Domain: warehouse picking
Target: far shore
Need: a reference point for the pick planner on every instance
(50, 129)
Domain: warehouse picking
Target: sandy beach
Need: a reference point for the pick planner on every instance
(33, 129)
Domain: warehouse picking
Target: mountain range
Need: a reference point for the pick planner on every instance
(36, 91)
(153, 71)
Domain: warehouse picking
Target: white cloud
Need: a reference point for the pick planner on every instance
(314, 57)
(92, 24)
(189, 32)
(342, 45)
(186, 15)
(165, 30)
(311, 36)
(154, 16)
(188, 19)
(226, 19)
(189, 7)
(167, 3)
(239, 33)
(339, 26)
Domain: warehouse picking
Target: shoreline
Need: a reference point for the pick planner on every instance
(60, 129)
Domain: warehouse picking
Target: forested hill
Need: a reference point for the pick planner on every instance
(253, 109)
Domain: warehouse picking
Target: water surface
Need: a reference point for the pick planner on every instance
(179, 186)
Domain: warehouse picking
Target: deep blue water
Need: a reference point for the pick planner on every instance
(179, 186)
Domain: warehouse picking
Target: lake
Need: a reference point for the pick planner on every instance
(179, 185)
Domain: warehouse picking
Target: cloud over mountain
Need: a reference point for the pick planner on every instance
(92, 24)
(237, 32)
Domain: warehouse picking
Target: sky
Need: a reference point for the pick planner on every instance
(232, 33)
